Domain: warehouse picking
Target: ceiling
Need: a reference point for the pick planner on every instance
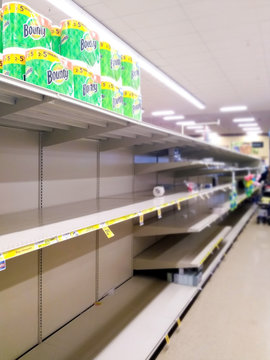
(219, 50)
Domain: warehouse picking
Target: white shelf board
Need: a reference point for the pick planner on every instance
(31, 227)
(127, 325)
(148, 168)
(172, 253)
(34, 102)
(228, 240)
(175, 224)
(192, 166)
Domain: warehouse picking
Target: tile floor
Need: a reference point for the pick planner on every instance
(231, 318)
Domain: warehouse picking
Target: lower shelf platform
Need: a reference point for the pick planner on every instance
(133, 321)
(129, 324)
(190, 252)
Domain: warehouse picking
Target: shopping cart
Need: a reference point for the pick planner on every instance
(264, 206)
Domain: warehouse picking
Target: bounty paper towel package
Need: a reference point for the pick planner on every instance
(115, 63)
(136, 76)
(132, 104)
(110, 62)
(79, 43)
(127, 65)
(112, 95)
(49, 70)
(24, 28)
(118, 100)
(1, 29)
(1, 63)
(87, 85)
(105, 59)
(14, 62)
(130, 72)
(56, 37)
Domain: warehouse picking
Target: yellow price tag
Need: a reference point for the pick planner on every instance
(178, 205)
(167, 339)
(178, 322)
(159, 214)
(108, 232)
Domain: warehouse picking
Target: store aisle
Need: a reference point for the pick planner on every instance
(231, 318)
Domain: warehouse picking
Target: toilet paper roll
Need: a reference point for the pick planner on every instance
(158, 191)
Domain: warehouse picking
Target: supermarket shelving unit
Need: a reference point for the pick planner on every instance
(68, 172)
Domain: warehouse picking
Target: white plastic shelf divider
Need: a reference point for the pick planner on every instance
(130, 324)
(172, 253)
(30, 230)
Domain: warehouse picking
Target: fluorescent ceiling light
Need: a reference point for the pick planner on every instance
(162, 112)
(248, 119)
(184, 123)
(199, 131)
(174, 117)
(233, 108)
(254, 132)
(74, 11)
(194, 127)
(248, 125)
(251, 129)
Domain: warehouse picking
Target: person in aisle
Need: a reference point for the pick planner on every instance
(264, 175)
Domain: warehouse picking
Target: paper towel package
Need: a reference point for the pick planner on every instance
(25, 28)
(79, 43)
(50, 70)
(1, 30)
(56, 37)
(87, 86)
(14, 62)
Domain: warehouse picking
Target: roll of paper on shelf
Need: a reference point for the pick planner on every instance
(158, 191)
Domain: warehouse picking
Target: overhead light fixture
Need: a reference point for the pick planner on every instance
(162, 112)
(254, 132)
(248, 125)
(194, 127)
(174, 117)
(233, 108)
(75, 11)
(251, 129)
(247, 119)
(200, 131)
(185, 123)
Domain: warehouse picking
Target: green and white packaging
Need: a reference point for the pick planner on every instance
(1, 63)
(14, 63)
(87, 86)
(110, 62)
(116, 66)
(24, 28)
(136, 76)
(49, 70)
(132, 104)
(112, 95)
(105, 59)
(56, 38)
(1, 30)
(131, 76)
(79, 43)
